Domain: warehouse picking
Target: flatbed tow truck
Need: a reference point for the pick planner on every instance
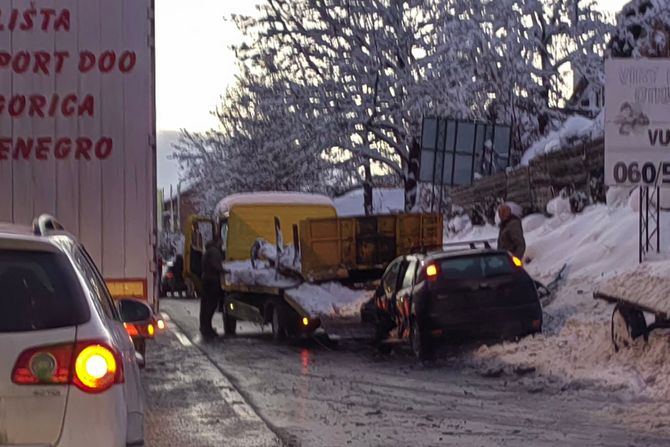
(321, 279)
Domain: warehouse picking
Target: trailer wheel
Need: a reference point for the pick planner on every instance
(628, 324)
(229, 323)
(279, 332)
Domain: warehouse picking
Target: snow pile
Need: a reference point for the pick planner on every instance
(241, 272)
(574, 129)
(598, 242)
(384, 201)
(458, 224)
(600, 248)
(580, 354)
(268, 251)
(329, 299)
(618, 196)
(558, 206)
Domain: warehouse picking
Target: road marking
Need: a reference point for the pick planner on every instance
(183, 339)
(229, 394)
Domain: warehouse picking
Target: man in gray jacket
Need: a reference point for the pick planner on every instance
(511, 237)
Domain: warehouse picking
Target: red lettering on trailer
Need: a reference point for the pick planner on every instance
(23, 147)
(63, 148)
(42, 59)
(46, 147)
(86, 61)
(42, 149)
(41, 106)
(61, 56)
(127, 61)
(5, 147)
(103, 148)
(30, 19)
(21, 62)
(84, 146)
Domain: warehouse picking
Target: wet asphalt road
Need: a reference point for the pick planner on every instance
(191, 403)
(310, 395)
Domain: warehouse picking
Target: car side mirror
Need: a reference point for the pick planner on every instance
(135, 311)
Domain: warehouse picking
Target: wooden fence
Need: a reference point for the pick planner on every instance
(532, 187)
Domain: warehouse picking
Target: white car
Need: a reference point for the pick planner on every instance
(69, 373)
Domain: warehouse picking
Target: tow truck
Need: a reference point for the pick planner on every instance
(332, 263)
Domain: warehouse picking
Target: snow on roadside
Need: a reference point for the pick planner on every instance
(575, 348)
(573, 129)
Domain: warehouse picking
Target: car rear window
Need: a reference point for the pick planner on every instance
(475, 267)
(38, 291)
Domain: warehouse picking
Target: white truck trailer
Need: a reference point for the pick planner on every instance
(77, 129)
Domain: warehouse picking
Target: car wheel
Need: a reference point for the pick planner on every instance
(421, 343)
(628, 325)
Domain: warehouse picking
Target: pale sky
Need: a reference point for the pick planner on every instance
(194, 64)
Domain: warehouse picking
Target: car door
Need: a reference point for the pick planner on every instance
(403, 300)
(406, 283)
(390, 286)
(122, 341)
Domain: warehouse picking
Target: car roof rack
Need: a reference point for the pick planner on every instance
(46, 223)
(472, 245)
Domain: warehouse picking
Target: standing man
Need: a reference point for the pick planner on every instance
(212, 268)
(511, 237)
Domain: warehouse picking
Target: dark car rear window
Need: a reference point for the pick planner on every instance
(38, 291)
(475, 267)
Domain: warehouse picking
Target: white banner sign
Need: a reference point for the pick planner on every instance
(637, 122)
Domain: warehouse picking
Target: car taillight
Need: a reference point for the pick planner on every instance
(91, 366)
(432, 272)
(147, 330)
(49, 365)
(97, 368)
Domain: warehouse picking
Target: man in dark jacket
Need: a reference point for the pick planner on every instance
(511, 237)
(212, 268)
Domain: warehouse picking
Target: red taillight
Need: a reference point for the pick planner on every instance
(91, 366)
(49, 365)
(97, 367)
(432, 272)
(143, 330)
(132, 330)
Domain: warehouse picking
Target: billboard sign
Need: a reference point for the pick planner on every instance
(637, 122)
(454, 153)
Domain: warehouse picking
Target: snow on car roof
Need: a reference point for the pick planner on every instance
(272, 198)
